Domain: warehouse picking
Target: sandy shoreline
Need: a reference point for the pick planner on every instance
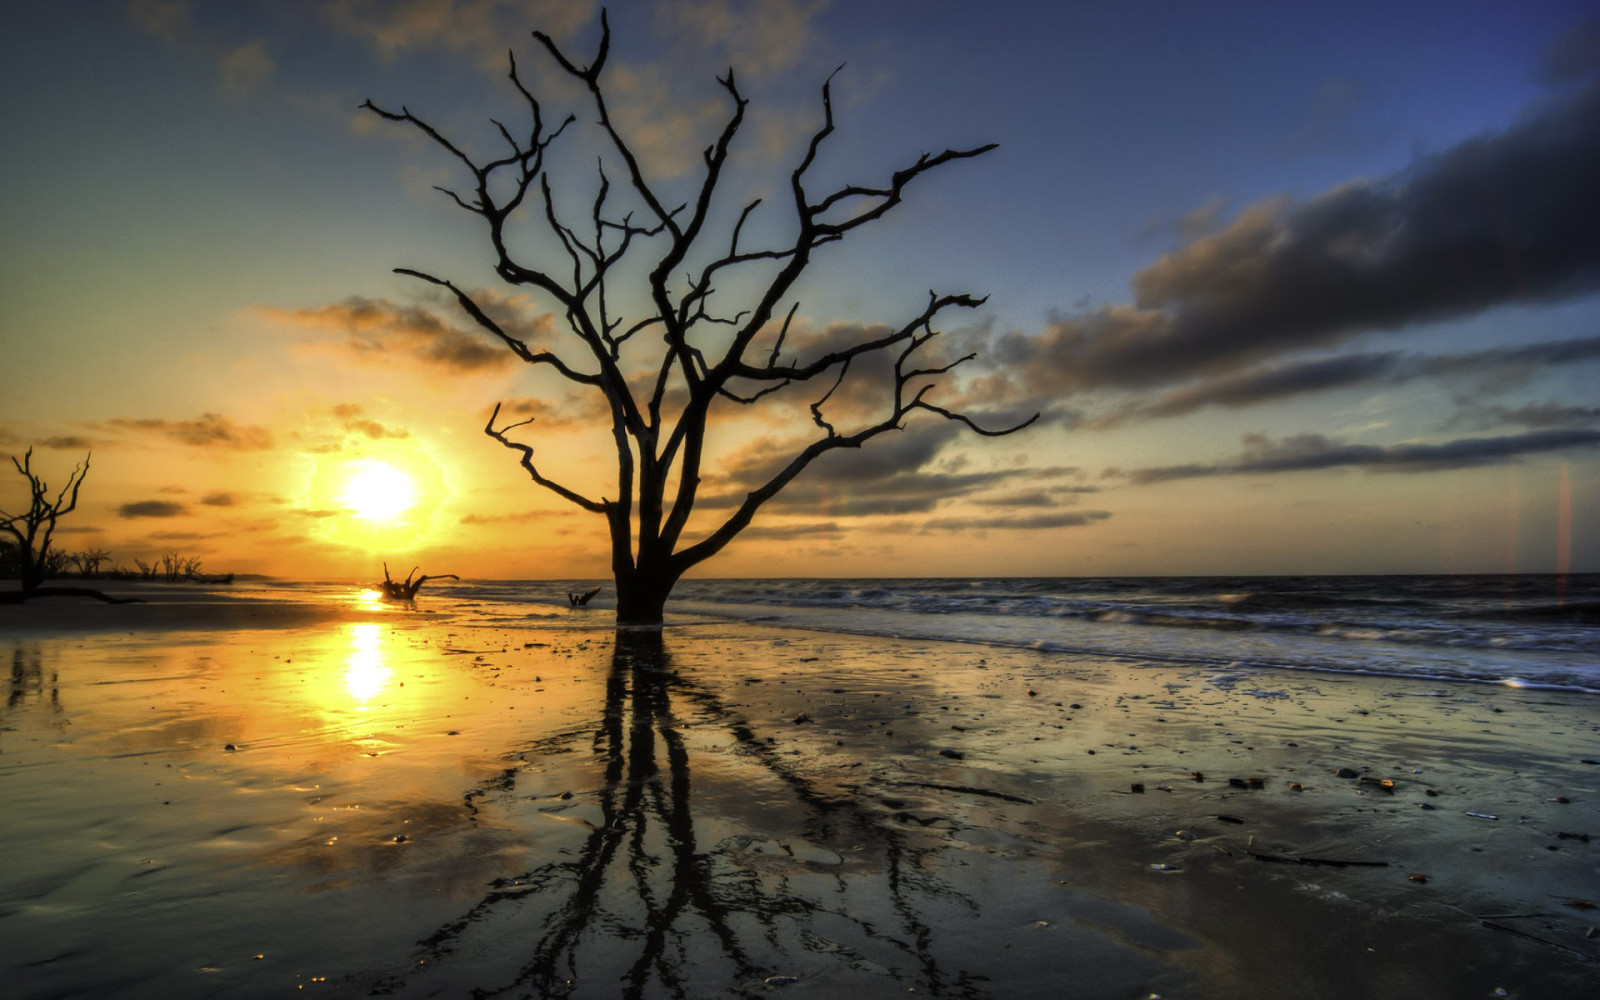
(414, 805)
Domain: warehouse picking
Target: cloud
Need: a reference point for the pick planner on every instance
(790, 532)
(168, 20)
(1536, 415)
(1060, 519)
(1303, 452)
(245, 70)
(1496, 369)
(209, 430)
(1497, 220)
(67, 442)
(519, 517)
(377, 330)
(1574, 55)
(572, 411)
(756, 37)
(219, 499)
(353, 418)
(479, 26)
(152, 508)
(888, 475)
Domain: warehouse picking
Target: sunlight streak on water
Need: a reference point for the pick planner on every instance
(366, 675)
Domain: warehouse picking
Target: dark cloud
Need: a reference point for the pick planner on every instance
(787, 532)
(209, 430)
(68, 442)
(570, 411)
(152, 508)
(520, 517)
(1060, 519)
(1534, 415)
(1497, 220)
(886, 476)
(1495, 369)
(377, 329)
(219, 499)
(1303, 452)
(354, 419)
(1576, 54)
(1055, 496)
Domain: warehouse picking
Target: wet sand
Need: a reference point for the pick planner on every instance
(254, 801)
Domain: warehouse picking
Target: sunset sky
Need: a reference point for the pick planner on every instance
(1296, 288)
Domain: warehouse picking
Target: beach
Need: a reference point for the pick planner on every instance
(221, 796)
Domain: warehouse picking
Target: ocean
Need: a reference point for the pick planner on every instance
(1521, 630)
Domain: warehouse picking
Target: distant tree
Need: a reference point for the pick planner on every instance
(31, 530)
(31, 534)
(89, 562)
(660, 394)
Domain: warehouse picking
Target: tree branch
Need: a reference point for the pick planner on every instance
(527, 463)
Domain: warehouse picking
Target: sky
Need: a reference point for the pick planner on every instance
(1294, 288)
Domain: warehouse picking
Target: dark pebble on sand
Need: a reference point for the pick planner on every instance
(400, 838)
(953, 754)
(1230, 819)
(1138, 788)
(230, 747)
(1347, 772)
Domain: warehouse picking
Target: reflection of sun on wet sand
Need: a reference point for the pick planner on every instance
(368, 800)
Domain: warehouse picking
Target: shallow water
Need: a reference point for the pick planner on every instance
(426, 802)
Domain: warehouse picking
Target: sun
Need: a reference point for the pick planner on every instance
(377, 491)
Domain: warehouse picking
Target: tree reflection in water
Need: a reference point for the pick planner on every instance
(28, 678)
(648, 907)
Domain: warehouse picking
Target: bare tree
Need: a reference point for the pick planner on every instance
(701, 355)
(31, 532)
(89, 562)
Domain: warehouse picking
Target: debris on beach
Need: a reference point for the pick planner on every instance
(1289, 859)
(406, 590)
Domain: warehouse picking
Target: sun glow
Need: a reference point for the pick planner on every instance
(377, 491)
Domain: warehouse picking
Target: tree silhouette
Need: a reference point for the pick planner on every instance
(660, 390)
(32, 532)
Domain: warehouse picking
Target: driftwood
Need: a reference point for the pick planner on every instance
(18, 596)
(580, 600)
(396, 590)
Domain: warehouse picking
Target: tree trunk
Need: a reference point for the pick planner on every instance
(642, 597)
